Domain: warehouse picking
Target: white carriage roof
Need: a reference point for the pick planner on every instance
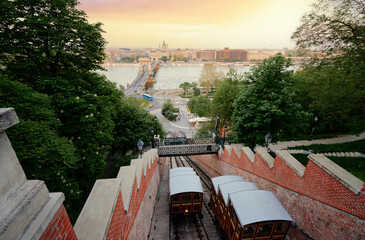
(174, 174)
(252, 206)
(179, 169)
(185, 183)
(232, 187)
(225, 179)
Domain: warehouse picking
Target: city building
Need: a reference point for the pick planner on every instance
(231, 55)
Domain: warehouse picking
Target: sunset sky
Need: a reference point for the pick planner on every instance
(206, 24)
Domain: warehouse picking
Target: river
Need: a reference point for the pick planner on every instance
(168, 77)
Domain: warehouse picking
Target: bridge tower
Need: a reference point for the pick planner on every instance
(144, 62)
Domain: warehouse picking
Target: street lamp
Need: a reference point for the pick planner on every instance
(268, 139)
(217, 126)
(155, 126)
(153, 140)
(315, 121)
(224, 134)
(140, 146)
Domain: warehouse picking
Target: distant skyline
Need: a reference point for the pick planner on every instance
(209, 24)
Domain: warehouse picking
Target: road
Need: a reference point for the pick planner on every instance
(180, 125)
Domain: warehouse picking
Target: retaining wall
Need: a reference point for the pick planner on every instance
(325, 201)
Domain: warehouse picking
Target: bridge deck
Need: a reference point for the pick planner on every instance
(190, 149)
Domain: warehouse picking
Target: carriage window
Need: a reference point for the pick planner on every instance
(176, 199)
(280, 228)
(186, 198)
(264, 230)
(196, 197)
(248, 231)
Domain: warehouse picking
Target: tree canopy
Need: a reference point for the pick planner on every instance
(209, 77)
(185, 86)
(333, 26)
(265, 104)
(70, 114)
(332, 85)
(201, 105)
(225, 95)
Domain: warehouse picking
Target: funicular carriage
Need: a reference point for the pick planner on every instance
(186, 191)
(245, 212)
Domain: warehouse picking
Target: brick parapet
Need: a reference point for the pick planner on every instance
(60, 227)
(118, 200)
(333, 202)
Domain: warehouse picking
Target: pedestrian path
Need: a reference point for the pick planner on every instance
(284, 145)
(161, 228)
(328, 154)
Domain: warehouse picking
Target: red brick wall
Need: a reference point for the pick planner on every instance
(321, 206)
(60, 227)
(142, 222)
(122, 222)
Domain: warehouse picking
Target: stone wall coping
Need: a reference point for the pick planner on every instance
(261, 151)
(20, 207)
(8, 118)
(138, 164)
(249, 153)
(229, 149)
(237, 149)
(94, 219)
(96, 215)
(127, 175)
(340, 174)
(41, 222)
(292, 162)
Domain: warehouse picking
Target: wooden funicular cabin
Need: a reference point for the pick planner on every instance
(214, 200)
(245, 212)
(186, 191)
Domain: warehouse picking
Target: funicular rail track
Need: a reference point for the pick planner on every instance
(204, 223)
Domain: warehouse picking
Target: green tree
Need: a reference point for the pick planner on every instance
(200, 105)
(42, 153)
(168, 110)
(226, 94)
(266, 104)
(206, 130)
(131, 124)
(48, 38)
(209, 77)
(332, 86)
(185, 86)
(196, 91)
(50, 47)
(164, 58)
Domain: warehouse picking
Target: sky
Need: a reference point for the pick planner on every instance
(203, 24)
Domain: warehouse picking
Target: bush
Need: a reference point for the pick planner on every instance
(168, 110)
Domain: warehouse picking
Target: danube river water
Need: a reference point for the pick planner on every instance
(168, 77)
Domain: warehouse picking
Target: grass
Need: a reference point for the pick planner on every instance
(356, 146)
(354, 165)
(302, 158)
(143, 102)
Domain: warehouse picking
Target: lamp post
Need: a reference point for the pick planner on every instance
(140, 146)
(153, 140)
(268, 139)
(155, 126)
(224, 134)
(217, 126)
(315, 121)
